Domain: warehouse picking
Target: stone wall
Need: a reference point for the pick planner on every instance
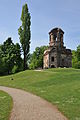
(46, 61)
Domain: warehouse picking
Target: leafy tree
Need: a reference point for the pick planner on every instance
(7, 48)
(10, 55)
(1, 63)
(78, 53)
(24, 33)
(17, 52)
(76, 58)
(36, 60)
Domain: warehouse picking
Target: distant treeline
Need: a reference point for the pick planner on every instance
(12, 62)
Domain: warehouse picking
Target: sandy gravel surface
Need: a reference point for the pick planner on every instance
(31, 107)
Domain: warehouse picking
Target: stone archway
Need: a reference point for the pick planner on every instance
(52, 66)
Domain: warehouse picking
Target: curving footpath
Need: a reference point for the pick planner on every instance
(31, 107)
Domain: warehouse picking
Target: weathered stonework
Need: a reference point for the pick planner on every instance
(57, 55)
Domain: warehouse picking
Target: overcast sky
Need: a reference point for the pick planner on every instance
(45, 15)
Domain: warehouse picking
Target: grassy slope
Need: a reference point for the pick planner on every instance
(59, 86)
(5, 105)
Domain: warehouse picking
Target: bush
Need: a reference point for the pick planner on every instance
(15, 69)
(77, 65)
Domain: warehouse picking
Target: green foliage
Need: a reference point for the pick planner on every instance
(15, 69)
(36, 60)
(24, 33)
(76, 58)
(10, 55)
(60, 86)
(2, 67)
(5, 105)
(77, 65)
(78, 53)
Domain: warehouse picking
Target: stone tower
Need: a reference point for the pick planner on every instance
(57, 55)
(56, 37)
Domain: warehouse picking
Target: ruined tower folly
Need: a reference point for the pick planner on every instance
(57, 55)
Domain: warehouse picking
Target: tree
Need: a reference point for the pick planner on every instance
(36, 60)
(76, 58)
(78, 53)
(10, 56)
(2, 69)
(24, 33)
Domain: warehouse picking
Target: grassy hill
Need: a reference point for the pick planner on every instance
(5, 105)
(59, 86)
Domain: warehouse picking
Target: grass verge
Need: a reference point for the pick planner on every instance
(5, 105)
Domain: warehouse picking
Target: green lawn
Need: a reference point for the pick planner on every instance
(59, 86)
(5, 105)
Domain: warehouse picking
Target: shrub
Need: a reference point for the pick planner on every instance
(77, 65)
(15, 69)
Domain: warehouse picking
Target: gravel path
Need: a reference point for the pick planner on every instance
(31, 107)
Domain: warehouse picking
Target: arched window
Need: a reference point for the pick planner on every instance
(55, 37)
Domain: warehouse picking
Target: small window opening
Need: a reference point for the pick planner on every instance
(52, 59)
